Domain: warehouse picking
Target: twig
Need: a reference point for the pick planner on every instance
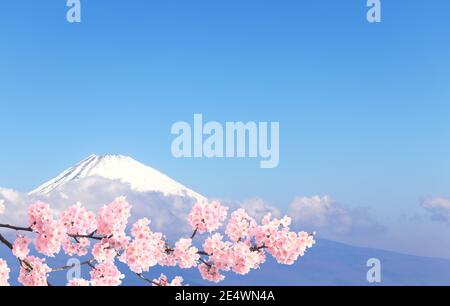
(195, 233)
(203, 253)
(206, 263)
(90, 236)
(88, 262)
(16, 228)
(257, 249)
(147, 280)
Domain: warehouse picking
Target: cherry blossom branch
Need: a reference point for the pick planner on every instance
(90, 236)
(29, 229)
(203, 253)
(205, 262)
(63, 268)
(195, 233)
(244, 248)
(6, 242)
(23, 263)
(10, 246)
(257, 249)
(147, 280)
(16, 228)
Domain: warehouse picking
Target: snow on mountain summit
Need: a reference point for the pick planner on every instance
(140, 177)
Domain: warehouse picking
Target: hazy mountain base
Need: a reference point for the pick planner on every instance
(328, 263)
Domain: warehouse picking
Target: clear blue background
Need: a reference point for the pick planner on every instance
(364, 108)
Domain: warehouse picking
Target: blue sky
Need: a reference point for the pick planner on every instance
(363, 108)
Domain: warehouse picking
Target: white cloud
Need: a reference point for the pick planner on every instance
(439, 209)
(324, 215)
(256, 208)
(15, 206)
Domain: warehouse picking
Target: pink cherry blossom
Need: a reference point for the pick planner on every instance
(78, 282)
(186, 254)
(244, 258)
(164, 282)
(239, 257)
(104, 252)
(207, 216)
(106, 274)
(50, 238)
(113, 218)
(4, 273)
(219, 252)
(2, 207)
(50, 232)
(20, 247)
(39, 214)
(210, 273)
(167, 259)
(146, 250)
(240, 226)
(76, 220)
(34, 272)
(79, 248)
(280, 242)
(118, 242)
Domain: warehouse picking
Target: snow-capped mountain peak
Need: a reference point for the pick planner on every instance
(140, 177)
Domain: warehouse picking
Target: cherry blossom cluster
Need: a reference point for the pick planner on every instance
(76, 220)
(78, 282)
(146, 250)
(50, 233)
(106, 274)
(284, 245)
(112, 219)
(4, 273)
(207, 217)
(249, 242)
(34, 272)
(103, 274)
(163, 281)
(241, 247)
(20, 247)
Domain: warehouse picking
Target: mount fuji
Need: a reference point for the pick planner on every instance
(98, 180)
(139, 177)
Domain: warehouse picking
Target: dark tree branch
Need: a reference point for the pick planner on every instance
(6, 242)
(195, 233)
(206, 263)
(16, 228)
(85, 263)
(90, 236)
(23, 263)
(147, 280)
(203, 253)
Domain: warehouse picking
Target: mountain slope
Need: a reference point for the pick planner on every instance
(138, 176)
